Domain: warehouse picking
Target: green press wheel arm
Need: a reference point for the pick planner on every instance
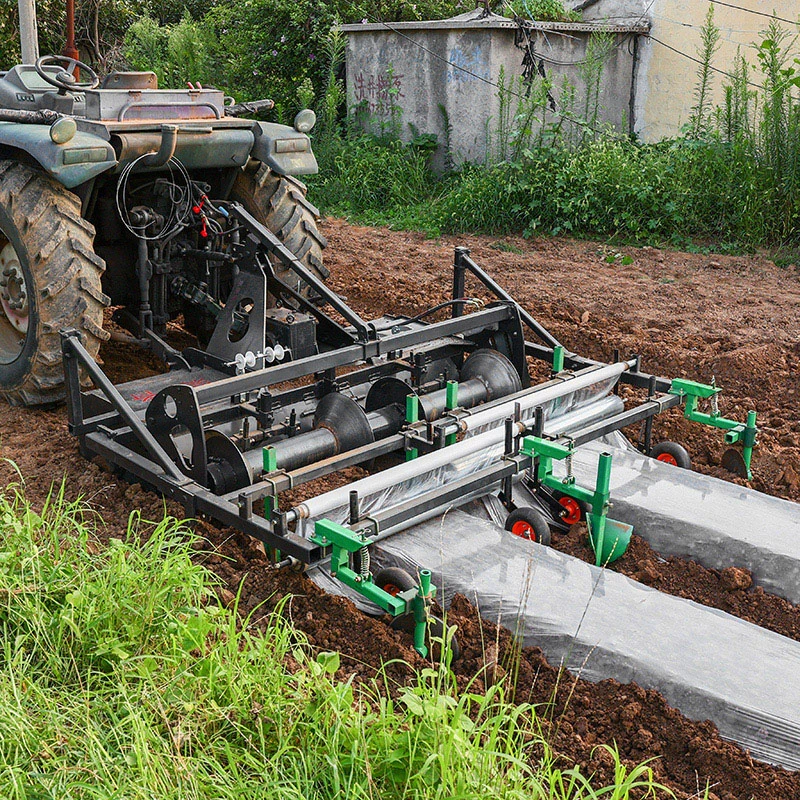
(343, 542)
(745, 433)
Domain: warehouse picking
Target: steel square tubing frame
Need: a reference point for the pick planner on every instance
(462, 264)
(242, 384)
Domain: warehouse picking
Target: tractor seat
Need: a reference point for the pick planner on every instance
(130, 80)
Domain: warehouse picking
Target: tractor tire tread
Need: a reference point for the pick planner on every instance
(67, 276)
(280, 203)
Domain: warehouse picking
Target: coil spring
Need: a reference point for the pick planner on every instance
(364, 562)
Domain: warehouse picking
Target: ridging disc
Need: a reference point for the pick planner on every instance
(345, 419)
(733, 461)
(495, 370)
(387, 391)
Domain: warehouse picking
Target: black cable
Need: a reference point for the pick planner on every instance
(703, 63)
(463, 301)
(752, 11)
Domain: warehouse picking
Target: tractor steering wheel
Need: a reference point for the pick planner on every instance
(65, 80)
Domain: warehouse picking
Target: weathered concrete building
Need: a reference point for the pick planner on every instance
(666, 75)
(441, 76)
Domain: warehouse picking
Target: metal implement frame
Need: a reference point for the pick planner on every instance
(121, 436)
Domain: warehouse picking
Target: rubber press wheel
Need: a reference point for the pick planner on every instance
(572, 510)
(394, 580)
(528, 523)
(672, 453)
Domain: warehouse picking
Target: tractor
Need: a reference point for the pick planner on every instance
(110, 196)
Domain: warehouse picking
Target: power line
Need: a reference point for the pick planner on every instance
(752, 11)
(703, 63)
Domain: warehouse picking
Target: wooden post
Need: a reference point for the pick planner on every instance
(70, 51)
(28, 31)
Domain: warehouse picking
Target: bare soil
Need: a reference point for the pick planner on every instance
(688, 315)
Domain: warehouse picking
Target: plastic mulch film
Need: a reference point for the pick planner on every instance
(714, 522)
(600, 624)
(438, 469)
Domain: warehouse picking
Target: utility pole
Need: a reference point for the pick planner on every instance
(28, 31)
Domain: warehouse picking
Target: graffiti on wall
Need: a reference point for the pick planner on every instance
(380, 93)
(467, 67)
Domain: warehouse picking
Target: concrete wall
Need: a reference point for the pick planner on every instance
(648, 83)
(455, 64)
(665, 79)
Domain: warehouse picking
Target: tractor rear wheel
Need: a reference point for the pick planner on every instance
(49, 281)
(279, 203)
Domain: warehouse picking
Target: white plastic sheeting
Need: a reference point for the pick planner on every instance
(575, 391)
(601, 624)
(714, 522)
(585, 403)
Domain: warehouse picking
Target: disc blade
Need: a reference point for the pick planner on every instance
(733, 461)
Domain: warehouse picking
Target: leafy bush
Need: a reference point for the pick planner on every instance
(176, 53)
(363, 175)
(543, 10)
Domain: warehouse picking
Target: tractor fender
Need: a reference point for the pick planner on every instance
(285, 150)
(71, 164)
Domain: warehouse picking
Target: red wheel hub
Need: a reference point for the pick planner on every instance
(391, 589)
(667, 459)
(572, 512)
(522, 529)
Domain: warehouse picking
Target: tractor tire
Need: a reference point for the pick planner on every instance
(279, 203)
(49, 266)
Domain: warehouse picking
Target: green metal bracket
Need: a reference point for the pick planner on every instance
(451, 402)
(270, 457)
(606, 549)
(558, 359)
(412, 416)
(745, 433)
(343, 542)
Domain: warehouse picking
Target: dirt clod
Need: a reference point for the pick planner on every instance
(735, 578)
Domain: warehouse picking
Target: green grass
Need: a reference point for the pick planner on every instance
(121, 677)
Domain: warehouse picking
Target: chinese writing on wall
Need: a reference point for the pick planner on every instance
(379, 93)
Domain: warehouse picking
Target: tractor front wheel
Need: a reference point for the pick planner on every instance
(49, 281)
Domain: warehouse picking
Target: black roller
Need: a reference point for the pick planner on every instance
(340, 424)
(494, 370)
(227, 468)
